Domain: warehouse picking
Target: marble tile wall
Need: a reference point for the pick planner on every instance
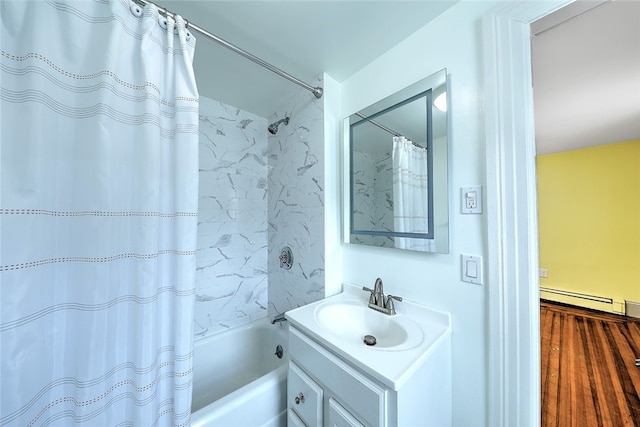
(296, 204)
(375, 209)
(231, 276)
(384, 191)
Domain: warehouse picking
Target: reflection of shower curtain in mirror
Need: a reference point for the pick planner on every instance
(410, 203)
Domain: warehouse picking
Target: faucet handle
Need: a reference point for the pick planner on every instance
(389, 303)
(372, 297)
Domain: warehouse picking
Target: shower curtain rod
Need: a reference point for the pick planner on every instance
(317, 91)
(383, 127)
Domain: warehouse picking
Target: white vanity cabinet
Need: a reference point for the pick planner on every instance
(341, 394)
(340, 417)
(305, 396)
(338, 394)
(402, 378)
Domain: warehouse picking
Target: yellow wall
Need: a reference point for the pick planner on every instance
(589, 223)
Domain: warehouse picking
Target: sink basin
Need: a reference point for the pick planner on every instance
(352, 321)
(403, 341)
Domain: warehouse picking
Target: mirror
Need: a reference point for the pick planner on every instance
(397, 160)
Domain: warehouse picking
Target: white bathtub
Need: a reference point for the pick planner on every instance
(238, 381)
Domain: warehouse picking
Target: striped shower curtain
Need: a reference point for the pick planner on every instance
(410, 194)
(98, 214)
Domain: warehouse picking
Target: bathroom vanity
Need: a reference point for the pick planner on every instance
(336, 379)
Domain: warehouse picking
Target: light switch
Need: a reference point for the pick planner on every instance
(472, 269)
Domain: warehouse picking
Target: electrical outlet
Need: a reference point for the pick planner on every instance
(471, 200)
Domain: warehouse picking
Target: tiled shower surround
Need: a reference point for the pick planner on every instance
(256, 195)
(231, 276)
(296, 203)
(374, 205)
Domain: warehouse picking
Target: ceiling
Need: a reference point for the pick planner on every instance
(585, 67)
(304, 38)
(586, 77)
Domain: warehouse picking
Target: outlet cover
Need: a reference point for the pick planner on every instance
(471, 200)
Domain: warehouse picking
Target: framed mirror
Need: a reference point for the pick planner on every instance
(397, 160)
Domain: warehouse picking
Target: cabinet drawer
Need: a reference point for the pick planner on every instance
(365, 399)
(304, 396)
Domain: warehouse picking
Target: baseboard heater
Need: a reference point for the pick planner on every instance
(578, 295)
(632, 308)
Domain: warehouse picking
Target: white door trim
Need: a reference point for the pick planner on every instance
(513, 285)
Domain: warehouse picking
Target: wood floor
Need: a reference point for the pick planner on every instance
(589, 374)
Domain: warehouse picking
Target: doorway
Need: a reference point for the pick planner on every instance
(513, 283)
(588, 160)
(586, 91)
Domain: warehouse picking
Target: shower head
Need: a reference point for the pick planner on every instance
(273, 127)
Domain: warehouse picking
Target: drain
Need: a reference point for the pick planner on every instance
(369, 340)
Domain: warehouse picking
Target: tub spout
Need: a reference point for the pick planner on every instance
(278, 318)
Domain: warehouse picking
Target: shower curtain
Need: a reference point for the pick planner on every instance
(410, 194)
(98, 214)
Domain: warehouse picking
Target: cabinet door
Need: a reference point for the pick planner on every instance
(293, 420)
(365, 399)
(340, 417)
(304, 396)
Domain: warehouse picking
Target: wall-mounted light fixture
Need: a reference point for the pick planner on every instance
(441, 102)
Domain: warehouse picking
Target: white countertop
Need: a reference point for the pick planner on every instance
(391, 366)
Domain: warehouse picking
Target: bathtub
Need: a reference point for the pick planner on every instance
(238, 380)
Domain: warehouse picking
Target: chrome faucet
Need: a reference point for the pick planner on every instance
(279, 318)
(377, 300)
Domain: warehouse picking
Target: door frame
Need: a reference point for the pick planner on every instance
(512, 228)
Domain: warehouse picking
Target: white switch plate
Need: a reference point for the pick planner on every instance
(472, 269)
(471, 200)
(543, 272)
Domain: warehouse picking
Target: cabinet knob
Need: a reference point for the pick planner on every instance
(299, 399)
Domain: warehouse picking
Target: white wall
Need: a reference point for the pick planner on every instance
(332, 186)
(452, 41)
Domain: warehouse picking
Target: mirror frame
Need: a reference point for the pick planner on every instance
(438, 222)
